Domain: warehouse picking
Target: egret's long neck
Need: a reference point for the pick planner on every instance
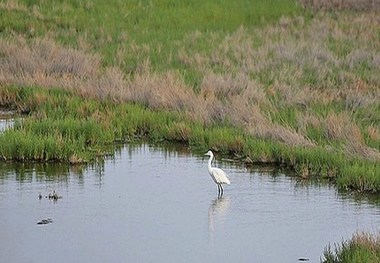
(209, 163)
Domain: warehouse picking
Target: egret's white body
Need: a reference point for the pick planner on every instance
(218, 175)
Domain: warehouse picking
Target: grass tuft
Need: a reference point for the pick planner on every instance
(362, 247)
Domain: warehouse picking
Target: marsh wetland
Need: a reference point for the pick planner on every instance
(290, 84)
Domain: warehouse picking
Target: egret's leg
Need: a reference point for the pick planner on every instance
(222, 190)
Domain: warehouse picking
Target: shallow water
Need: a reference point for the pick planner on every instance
(159, 205)
(6, 123)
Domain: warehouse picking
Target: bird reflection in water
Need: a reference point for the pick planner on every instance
(216, 213)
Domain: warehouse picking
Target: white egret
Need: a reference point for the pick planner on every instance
(218, 175)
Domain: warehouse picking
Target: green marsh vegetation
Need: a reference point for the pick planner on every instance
(294, 83)
(361, 248)
(284, 85)
(271, 81)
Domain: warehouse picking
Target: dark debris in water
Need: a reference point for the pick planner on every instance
(45, 221)
(52, 196)
(303, 259)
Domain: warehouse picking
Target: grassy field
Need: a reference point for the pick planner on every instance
(293, 83)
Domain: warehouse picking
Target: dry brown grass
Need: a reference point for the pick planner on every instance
(279, 133)
(165, 90)
(42, 62)
(367, 240)
(342, 4)
(355, 149)
(12, 5)
(373, 133)
(340, 127)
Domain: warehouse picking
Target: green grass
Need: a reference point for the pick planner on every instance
(362, 248)
(66, 128)
(156, 28)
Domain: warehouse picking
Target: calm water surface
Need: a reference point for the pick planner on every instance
(158, 205)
